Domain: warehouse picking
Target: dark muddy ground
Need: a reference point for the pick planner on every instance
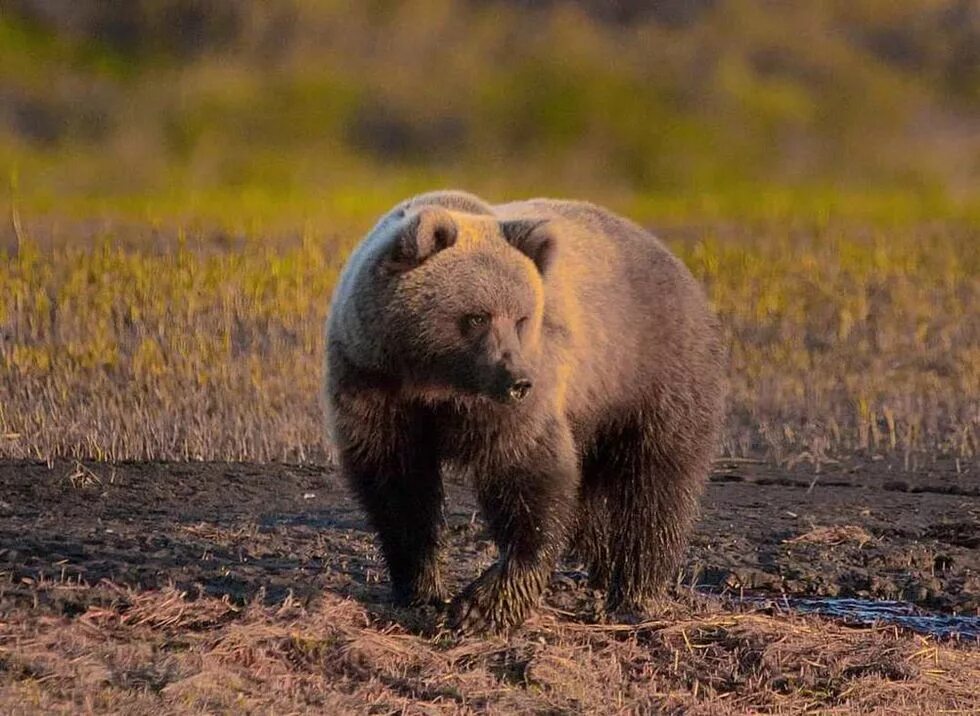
(861, 529)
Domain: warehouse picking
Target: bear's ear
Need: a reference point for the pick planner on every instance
(420, 236)
(533, 239)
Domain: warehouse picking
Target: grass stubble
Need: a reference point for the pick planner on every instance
(125, 342)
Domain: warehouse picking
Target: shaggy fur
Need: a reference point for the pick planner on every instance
(555, 353)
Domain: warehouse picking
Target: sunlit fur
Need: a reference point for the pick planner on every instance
(608, 452)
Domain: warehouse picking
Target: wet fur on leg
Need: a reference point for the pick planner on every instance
(529, 504)
(391, 462)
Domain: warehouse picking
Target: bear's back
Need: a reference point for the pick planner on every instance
(636, 319)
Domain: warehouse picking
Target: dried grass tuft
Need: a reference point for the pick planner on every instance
(833, 535)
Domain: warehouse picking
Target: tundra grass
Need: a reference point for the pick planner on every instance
(128, 340)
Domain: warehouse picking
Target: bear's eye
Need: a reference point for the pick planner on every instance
(477, 320)
(521, 322)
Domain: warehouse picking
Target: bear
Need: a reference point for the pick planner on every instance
(559, 357)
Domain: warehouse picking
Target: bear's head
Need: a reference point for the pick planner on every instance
(466, 301)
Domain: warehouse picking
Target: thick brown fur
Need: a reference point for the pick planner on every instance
(556, 354)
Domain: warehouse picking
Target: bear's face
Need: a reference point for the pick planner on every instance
(466, 304)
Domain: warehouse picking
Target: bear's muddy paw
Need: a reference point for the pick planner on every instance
(482, 608)
(626, 617)
(598, 579)
(625, 610)
(431, 594)
(439, 600)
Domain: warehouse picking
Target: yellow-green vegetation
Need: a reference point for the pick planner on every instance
(175, 349)
(134, 343)
(814, 163)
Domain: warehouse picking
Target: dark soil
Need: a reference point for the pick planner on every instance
(260, 532)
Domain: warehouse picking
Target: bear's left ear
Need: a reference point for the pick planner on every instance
(533, 239)
(420, 236)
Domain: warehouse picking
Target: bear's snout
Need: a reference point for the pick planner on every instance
(512, 386)
(511, 379)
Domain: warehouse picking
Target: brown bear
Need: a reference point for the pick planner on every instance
(558, 355)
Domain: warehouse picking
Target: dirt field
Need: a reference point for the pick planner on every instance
(222, 586)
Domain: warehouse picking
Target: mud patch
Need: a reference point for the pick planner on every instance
(246, 532)
(843, 534)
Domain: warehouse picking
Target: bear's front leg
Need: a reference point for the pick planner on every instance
(392, 463)
(529, 506)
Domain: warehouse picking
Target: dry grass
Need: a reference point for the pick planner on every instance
(833, 535)
(135, 343)
(160, 652)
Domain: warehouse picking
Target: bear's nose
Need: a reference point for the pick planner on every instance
(519, 389)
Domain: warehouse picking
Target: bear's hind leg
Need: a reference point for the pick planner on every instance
(592, 538)
(652, 497)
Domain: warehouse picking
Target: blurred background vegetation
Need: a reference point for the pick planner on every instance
(187, 176)
(283, 109)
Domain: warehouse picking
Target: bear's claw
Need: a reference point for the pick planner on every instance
(487, 606)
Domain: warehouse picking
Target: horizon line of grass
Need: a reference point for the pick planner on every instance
(256, 208)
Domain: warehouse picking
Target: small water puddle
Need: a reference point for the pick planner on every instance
(868, 611)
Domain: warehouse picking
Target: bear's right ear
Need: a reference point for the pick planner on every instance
(420, 236)
(532, 238)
